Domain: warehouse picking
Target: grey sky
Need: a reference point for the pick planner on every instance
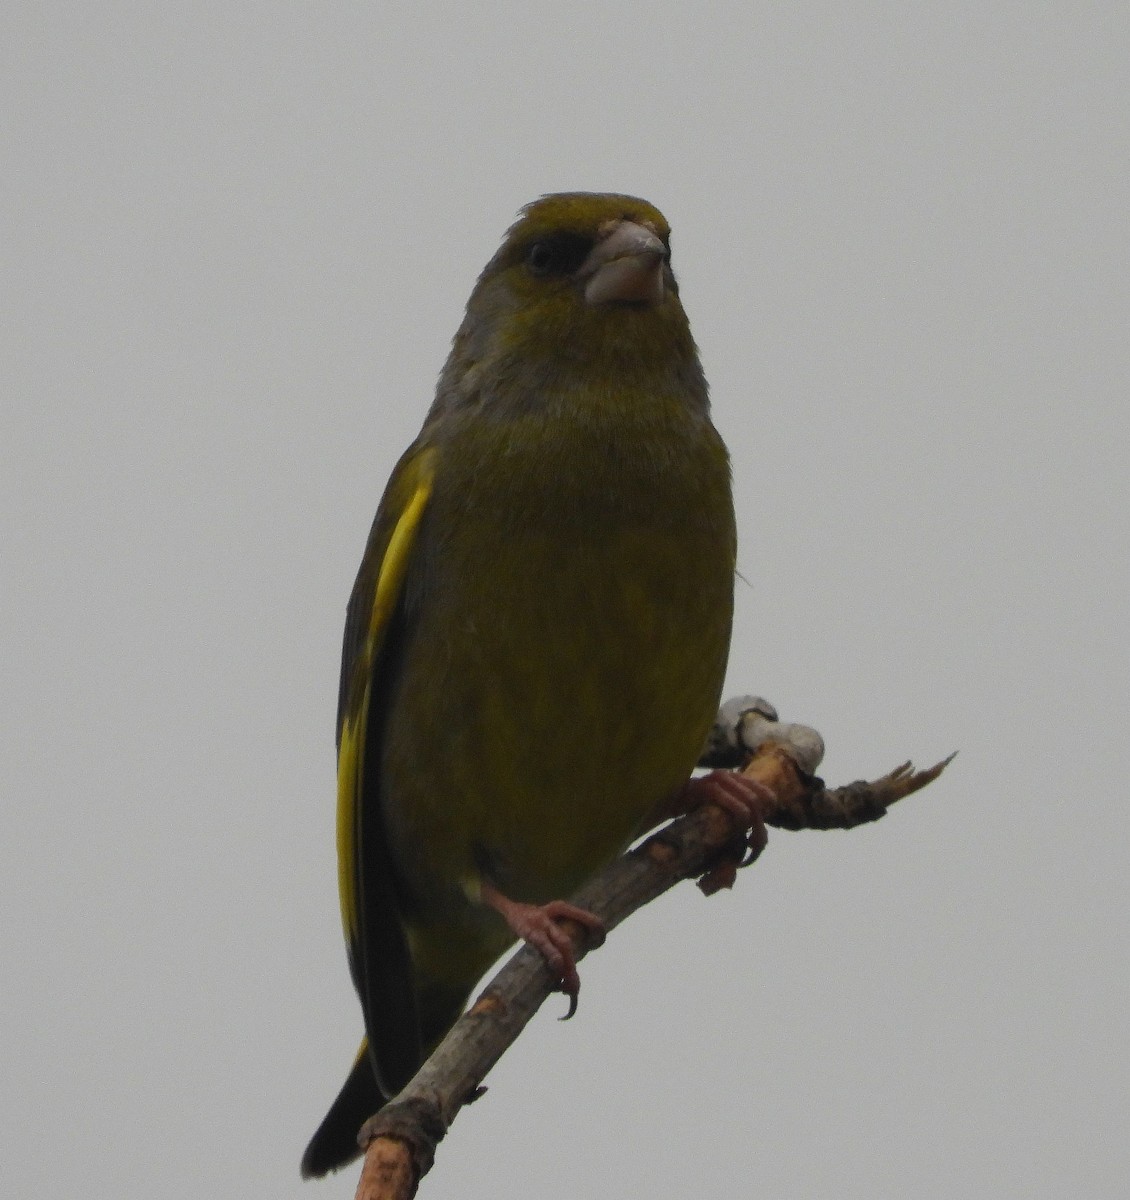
(237, 240)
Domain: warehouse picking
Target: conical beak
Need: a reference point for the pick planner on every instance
(625, 266)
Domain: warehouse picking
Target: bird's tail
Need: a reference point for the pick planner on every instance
(335, 1143)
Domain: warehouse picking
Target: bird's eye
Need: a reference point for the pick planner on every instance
(540, 258)
(558, 254)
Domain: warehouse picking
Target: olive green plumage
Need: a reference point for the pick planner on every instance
(556, 553)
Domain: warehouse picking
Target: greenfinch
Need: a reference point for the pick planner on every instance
(536, 641)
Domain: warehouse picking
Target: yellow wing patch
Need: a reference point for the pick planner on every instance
(351, 753)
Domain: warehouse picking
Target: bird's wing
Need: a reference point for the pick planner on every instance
(370, 909)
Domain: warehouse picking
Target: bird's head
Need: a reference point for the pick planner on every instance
(580, 293)
(583, 249)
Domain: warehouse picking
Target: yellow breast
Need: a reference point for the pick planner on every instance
(572, 619)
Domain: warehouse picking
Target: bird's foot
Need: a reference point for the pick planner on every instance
(537, 925)
(746, 801)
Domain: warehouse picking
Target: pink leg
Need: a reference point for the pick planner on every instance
(537, 925)
(746, 801)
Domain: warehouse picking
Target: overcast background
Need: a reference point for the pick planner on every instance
(237, 238)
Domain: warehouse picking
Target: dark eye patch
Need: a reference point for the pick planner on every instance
(557, 254)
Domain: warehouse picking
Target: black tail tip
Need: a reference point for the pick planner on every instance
(330, 1149)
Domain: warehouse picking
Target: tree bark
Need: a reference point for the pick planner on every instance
(401, 1139)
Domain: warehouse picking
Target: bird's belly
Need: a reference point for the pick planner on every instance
(545, 711)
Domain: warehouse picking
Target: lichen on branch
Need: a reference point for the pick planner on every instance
(400, 1140)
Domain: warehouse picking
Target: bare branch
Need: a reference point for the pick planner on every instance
(401, 1139)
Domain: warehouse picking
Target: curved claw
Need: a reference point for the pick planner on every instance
(537, 925)
(746, 801)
